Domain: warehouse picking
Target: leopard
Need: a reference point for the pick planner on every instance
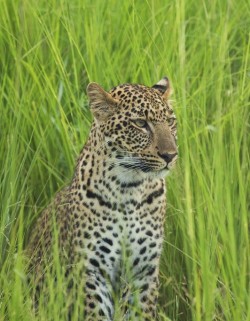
(110, 218)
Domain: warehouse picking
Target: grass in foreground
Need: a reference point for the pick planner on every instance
(49, 51)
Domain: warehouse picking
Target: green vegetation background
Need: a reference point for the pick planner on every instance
(49, 52)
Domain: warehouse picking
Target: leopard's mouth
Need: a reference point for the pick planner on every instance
(145, 166)
(140, 163)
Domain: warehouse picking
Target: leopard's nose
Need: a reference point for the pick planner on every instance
(168, 157)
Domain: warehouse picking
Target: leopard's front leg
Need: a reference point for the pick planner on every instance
(98, 301)
(140, 295)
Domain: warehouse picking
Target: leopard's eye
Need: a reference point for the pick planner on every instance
(140, 123)
(171, 121)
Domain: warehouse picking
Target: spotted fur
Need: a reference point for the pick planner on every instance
(111, 216)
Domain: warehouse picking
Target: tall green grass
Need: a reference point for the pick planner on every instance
(49, 52)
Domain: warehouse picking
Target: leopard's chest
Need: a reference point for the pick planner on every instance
(125, 225)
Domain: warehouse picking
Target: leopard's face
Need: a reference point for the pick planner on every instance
(138, 126)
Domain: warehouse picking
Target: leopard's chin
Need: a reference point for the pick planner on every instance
(137, 175)
(162, 173)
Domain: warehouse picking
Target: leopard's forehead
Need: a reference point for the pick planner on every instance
(141, 101)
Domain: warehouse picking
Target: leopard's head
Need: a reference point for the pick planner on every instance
(138, 126)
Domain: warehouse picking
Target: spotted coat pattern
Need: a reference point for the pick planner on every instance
(110, 218)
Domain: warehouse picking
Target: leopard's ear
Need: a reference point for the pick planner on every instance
(102, 104)
(163, 86)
